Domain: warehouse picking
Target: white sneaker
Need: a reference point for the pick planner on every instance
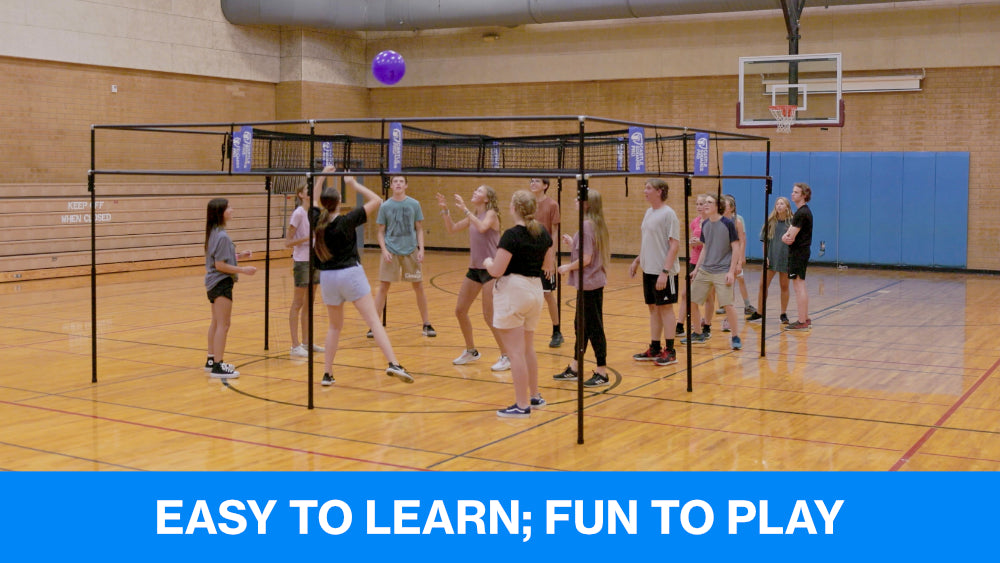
(503, 364)
(466, 357)
(299, 351)
(318, 348)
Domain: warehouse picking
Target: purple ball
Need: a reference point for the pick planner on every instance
(388, 67)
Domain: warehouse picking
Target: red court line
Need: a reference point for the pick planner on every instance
(940, 422)
(203, 435)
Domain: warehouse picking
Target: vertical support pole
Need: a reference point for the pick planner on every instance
(385, 195)
(267, 265)
(687, 276)
(267, 248)
(581, 323)
(688, 184)
(768, 188)
(793, 14)
(556, 236)
(310, 288)
(93, 259)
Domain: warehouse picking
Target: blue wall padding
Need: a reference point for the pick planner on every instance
(879, 208)
(917, 229)
(951, 204)
(824, 174)
(886, 200)
(855, 219)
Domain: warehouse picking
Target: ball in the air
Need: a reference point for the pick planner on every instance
(388, 67)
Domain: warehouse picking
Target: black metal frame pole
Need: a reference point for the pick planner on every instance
(310, 291)
(580, 321)
(768, 188)
(688, 184)
(385, 195)
(557, 236)
(91, 186)
(267, 249)
(267, 265)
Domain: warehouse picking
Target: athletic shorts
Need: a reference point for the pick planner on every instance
(547, 284)
(222, 289)
(348, 284)
(797, 266)
(654, 296)
(401, 268)
(479, 275)
(517, 301)
(704, 281)
(300, 273)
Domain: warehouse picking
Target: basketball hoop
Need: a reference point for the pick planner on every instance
(785, 116)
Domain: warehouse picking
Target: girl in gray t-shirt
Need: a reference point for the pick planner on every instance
(221, 271)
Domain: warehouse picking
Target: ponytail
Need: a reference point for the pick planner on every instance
(329, 200)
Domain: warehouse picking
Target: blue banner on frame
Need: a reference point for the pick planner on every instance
(701, 154)
(242, 157)
(636, 149)
(327, 149)
(438, 517)
(395, 147)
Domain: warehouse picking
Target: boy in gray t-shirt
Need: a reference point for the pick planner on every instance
(401, 237)
(718, 266)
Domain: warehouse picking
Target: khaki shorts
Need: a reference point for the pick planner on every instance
(300, 273)
(704, 281)
(402, 268)
(517, 301)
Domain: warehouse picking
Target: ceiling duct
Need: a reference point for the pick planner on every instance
(406, 15)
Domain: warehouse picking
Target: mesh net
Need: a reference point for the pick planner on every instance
(428, 150)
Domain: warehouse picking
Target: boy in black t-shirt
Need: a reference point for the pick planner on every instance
(799, 239)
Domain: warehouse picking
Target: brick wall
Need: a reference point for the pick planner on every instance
(49, 107)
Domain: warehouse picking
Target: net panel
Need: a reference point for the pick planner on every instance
(428, 150)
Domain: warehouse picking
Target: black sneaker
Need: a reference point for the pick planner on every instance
(538, 401)
(784, 319)
(222, 370)
(596, 380)
(565, 375)
(754, 318)
(707, 331)
(667, 357)
(514, 411)
(397, 371)
(749, 310)
(648, 356)
(557, 340)
(369, 334)
(679, 331)
(429, 330)
(208, 364)
(327, 380)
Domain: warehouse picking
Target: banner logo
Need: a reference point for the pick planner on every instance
(327, 147)
(636, 149)
(395, 147)
(242, 157)
(701, 154)
(495, 154)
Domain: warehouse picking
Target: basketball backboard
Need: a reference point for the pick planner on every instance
(813, 83)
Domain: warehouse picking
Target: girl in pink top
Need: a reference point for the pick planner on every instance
(483, 222)
(695, 245)
(595, 256)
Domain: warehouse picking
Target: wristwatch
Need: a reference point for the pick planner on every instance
(665, 271)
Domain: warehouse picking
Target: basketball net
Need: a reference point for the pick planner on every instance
(785, 116)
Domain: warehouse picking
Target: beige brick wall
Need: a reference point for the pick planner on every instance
(178, 61)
